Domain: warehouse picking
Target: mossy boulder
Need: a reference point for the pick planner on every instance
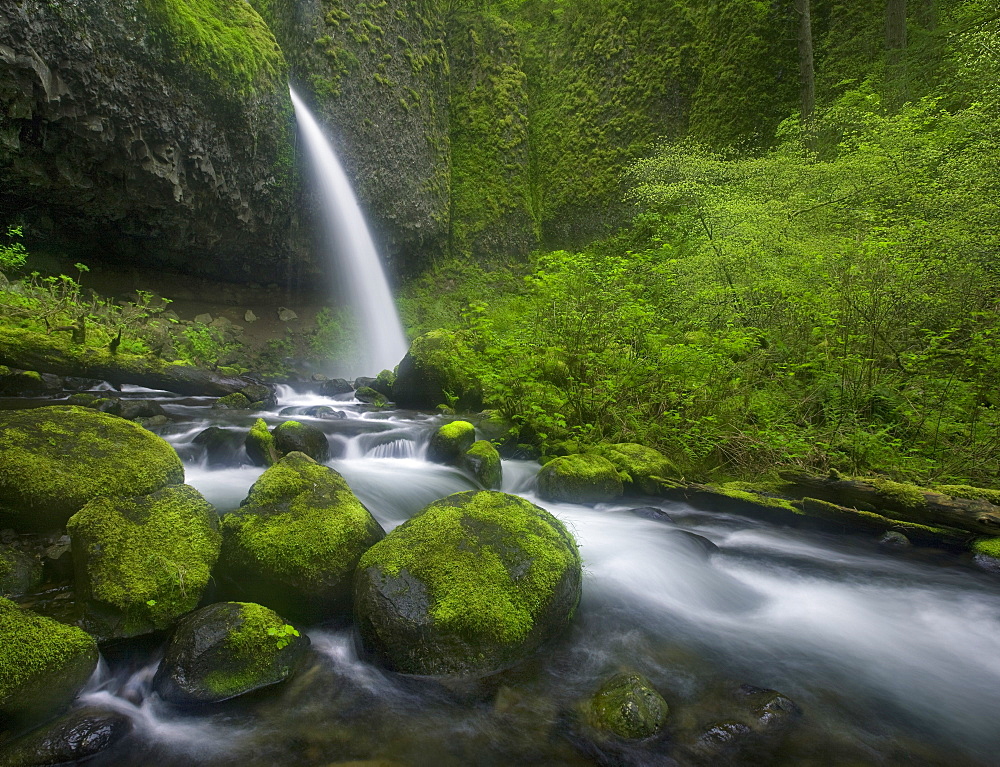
(383, 383)
(53, 460)
(483, 462)
(19, 572)
(449, 442)
(469, 586)
(641, 468)
(144, 561)
(73, 737)
(437, 368)
(370, 396)
(234, 401)
(628, 706)
(295, 541)
(582, 478)
(43, 665)
(260, 446)
(295, 437)
(227, 649)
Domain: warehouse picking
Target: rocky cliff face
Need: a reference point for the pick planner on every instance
(135, 130)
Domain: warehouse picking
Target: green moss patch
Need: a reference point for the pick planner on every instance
(53, 460)
(483, 460)
(966, 491)
(143, 562)
(641, 467)
(988, 546)
(583, 478)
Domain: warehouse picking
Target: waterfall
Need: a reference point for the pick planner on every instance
(380, 342)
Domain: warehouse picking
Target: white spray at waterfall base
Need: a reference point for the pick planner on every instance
(380, 343)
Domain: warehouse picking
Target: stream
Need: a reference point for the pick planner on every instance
(894, 657)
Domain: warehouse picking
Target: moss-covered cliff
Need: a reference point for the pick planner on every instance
(149, 131)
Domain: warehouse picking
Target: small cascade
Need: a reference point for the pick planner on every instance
(380, 342)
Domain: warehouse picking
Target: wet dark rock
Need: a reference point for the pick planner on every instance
(772, 712)
(895, 541)
(987, 563)
(628, 706)
(225, 650)
(471, 585)
(325, 412)
(362, 382)
(335, 387)
(22, 383)
(653, 513)
(261, 396)
(296, 437)
(223, 447)
(71, 738)
(20, 572)
(131, 409)
(722, 740)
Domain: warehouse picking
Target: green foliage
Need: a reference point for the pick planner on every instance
(283, 635)
(13, 254)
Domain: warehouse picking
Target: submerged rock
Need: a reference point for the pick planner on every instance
(227, 649)
(142, 562)
(584, 478)
(70, 738)
(296, 539)
(53, 460)
(449, 442)
(131, 409)
(43, 665)
(295, 437)
(629, 707)
(471, 585)
(653, 513)
(483, 462)
(335, 387)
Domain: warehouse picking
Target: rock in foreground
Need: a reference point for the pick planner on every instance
(471, 585)
(628, 706)
(227, 649)
(53, 460)
(43, 665)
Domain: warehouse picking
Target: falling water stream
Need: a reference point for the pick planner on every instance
(380, 342)
(894, 657)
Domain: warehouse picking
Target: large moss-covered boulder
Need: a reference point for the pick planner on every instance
(53, 460)
(296, 539)
(483, 462)
(449, 443)
(144, 561)
(628, 706)
(437, 368)
(43, 665)
(228, 649)
(641, 467)
(471, 585)
(295, 437)
(582, 478)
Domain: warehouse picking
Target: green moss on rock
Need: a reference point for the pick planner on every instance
(628, 706)
(260, 444)
(966, 491)
(642, 468)
(53, 460)
(437, 370)
(483, 461)
(43, 664)
(450, 442)
(470, 585)
(143, 562)
(296, 539)
(583, 478)
(228, 649)
(234, 401)
(989, 547)
(296, 437)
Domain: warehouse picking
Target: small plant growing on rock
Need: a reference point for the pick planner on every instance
(283, 635)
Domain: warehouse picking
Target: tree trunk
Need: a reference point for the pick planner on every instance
(807, 72)
(36, 351)
(895, 45)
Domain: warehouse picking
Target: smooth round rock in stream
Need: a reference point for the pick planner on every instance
(70, 738)
(582, 478)
(143, 562)
(43, 665)
(53, 460)
(471, 585)
(225, 650)
(294, 542)
(628, 706)
(483, 462)
(295, 437)
(449, 443)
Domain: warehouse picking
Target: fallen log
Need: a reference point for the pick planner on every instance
(899, 501)
(28, 350)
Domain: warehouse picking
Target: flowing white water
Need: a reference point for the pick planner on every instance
(380, 342)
